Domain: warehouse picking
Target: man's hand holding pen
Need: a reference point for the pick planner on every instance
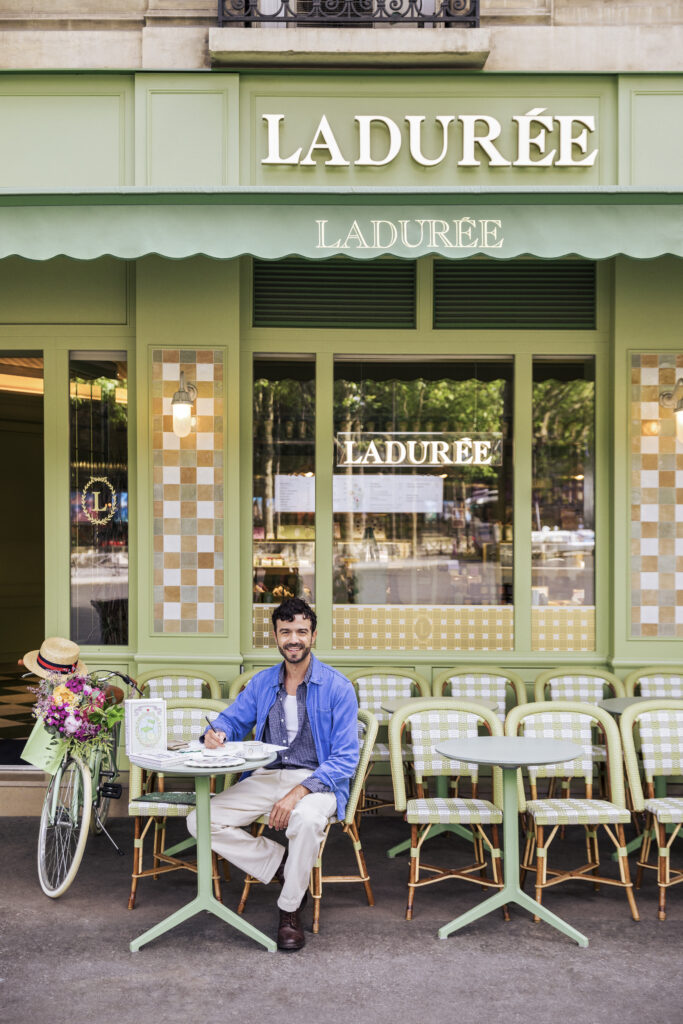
(213, 738)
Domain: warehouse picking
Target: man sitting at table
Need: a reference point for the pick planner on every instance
(311, 710)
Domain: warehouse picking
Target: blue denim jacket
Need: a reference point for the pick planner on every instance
(332, 711)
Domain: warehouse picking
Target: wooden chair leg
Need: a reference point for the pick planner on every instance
(625, 873)
(316, 887)
(246, 889)
(662, 869)
(648, 835)
(137, 863)
(360, 860)
(216, 878)
(414, 871)
(541, 866)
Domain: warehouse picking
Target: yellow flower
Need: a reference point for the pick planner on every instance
(63, 695)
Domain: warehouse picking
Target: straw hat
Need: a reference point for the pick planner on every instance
(55, 655)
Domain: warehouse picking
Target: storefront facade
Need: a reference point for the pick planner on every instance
(429, 317)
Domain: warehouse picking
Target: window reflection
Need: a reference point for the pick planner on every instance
(98, 404)
(283, 501)
(563, 511)
(427, 534)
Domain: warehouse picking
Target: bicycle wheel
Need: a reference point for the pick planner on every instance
(102, 771)
(64, 826)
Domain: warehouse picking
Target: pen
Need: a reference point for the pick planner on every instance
(211, 726)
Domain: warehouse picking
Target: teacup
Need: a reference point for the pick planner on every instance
(254, 748)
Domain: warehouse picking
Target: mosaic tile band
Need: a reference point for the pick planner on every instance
(188, 496)
(656, 500)
(559, 628)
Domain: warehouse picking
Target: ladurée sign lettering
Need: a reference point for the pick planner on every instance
(370, 450)
(434, 233)
(533, 139)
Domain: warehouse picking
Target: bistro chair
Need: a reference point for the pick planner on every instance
(575, 721)
(373, 686)
(659, 723)
(431, 722)
(655, 682)
(240, 681)
(185, 721)
(472, 681)
(368, 725)
(179, 684)
(585, 684)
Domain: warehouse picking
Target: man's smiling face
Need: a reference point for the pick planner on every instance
(294, 639)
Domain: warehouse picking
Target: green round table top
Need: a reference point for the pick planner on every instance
(509, 751)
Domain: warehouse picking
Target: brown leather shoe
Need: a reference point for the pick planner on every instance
(290, 934)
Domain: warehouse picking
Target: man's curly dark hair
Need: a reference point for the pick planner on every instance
(291, 607)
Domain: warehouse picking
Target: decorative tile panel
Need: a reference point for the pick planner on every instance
(559, 628)
(188, 496)
(656, 500)
(407, 627)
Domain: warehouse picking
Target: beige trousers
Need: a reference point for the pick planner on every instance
(259, 856)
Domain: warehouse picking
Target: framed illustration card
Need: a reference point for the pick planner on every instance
(145, 722)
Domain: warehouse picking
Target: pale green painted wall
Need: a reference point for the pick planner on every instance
(206, 130)
(201, 302)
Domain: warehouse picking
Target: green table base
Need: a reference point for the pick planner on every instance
(511, 892)
(204, 900)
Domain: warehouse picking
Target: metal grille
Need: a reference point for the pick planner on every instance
(296, 292)
(350, 13)
(521, 294)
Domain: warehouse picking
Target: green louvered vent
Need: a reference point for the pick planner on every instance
(295, 292)
(516, 295)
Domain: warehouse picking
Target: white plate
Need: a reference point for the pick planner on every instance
(256, 757)
(214, 762)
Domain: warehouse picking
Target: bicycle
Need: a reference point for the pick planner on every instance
(77, 805)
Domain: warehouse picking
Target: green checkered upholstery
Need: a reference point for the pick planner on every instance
(165, 805)
(661, 686)
(487, 687)
(428, 729)
(174, 687)
(562, 725)
(452, 811)
(373, 690)
(576, 812)
(577, 687)
(661, 742)
(668, 809)
(185, 724)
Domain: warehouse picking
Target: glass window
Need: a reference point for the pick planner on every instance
(563, 509)
(98, 406)
(283, 501)
(423, 483)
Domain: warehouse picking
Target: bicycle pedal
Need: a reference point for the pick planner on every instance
(111, 790)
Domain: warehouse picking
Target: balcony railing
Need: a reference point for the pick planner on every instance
(350, 13)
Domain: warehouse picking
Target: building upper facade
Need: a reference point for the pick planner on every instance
(490, 35)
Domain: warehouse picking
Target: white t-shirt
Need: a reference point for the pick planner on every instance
(291, 717)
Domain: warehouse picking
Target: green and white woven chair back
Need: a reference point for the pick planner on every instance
(589, 689)
(174, 687)
(185, 724)
(373, 690)
(487, 687)
(428, 729)
(661, 686)
(661, 742)
(562, 725)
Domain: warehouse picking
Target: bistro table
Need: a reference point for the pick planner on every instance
(510, 753)
(392, 704)
(205, 899)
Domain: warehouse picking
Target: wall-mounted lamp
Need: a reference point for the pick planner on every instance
(181, 404)
(674, 400)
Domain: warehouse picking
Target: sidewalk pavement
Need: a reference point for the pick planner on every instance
(67, 961)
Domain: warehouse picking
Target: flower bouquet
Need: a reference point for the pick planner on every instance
(76, 714)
